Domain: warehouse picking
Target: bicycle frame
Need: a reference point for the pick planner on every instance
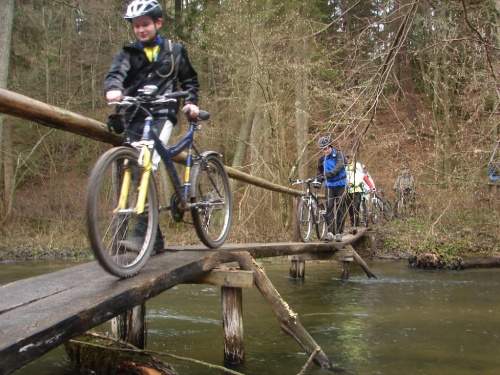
(310, 197)
(149, 140)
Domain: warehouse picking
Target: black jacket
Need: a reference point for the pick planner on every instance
(132, 70)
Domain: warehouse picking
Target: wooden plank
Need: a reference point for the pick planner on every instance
(267, 250)
(345, 255)
(314, 256)
(40, 313)
(226, 278)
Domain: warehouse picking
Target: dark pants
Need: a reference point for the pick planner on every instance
(335, 208)
(354, 202)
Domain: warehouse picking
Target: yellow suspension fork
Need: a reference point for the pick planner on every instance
(125, 187)
(145, 163)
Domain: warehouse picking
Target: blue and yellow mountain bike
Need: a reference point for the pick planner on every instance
(122, 195)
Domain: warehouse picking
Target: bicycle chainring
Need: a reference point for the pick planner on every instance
(175, 210)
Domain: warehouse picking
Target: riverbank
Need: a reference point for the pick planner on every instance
(399, 239)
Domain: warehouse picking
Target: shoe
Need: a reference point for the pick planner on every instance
(354, 230)
(338, 238)
(135, 244)
(159, 246)
(328, 237)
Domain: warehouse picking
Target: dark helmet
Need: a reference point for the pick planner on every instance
(325, 141)
(139, 8)
(404, 166)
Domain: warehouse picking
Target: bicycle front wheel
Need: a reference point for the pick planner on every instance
(375, 213)
(108, 225)
(304, 220)
(320, 221)
(387, 210)
(213, 204)
(397, 208)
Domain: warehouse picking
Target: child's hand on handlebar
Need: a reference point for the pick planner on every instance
(113, 96)
(192, 110)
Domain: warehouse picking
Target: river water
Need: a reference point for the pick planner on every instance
(407, 321)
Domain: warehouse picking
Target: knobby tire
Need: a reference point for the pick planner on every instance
(304, 220)
(213, 202)
(320, 222)
(106, 227)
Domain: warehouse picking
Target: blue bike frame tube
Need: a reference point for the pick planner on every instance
(167, 153)
(187, 172)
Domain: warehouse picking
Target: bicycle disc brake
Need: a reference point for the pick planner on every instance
(175, 210)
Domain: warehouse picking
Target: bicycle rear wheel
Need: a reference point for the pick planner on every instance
(213, 201)
(397, 208)
(108, 226)
(304, 220)
(320, 221)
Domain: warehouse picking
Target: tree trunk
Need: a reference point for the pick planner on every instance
(6, 21)
(404, 74)
(302, 107)
(245, 129)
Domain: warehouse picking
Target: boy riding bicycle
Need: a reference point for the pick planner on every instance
(151, 60)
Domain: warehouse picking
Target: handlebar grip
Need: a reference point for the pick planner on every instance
(177, 95)
(204, 115)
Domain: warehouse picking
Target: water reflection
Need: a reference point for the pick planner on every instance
(405, 322)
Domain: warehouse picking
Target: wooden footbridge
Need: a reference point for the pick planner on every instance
(40, 313)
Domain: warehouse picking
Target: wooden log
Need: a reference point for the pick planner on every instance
(361, 262)
(131, 326)
(289, 320)
(22, 106)
(227, 278)
(455, 262)
(30, 109)
(232, 322)
(480, 262)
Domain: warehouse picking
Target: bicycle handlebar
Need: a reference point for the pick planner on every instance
(147, 97)
(307, 181)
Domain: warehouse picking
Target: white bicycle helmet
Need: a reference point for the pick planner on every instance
(324, 141)
(139, 8)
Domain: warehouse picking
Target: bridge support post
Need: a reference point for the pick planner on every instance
(361, 262)
(131, 326)
(346, 257)
(297, 269)
(232, 322)
(289, 321)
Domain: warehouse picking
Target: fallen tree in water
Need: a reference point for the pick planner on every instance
(451, 262)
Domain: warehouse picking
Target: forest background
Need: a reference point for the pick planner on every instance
(392, 81)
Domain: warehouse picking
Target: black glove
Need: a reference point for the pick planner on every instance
(320, 178)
